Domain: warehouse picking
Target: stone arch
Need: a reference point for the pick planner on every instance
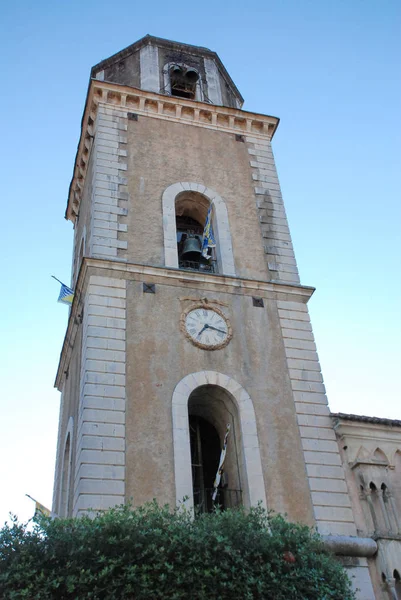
(379, 456)
(65, 480)
(224, 248)
(254, 480)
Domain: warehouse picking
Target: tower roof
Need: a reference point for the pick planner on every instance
(170, 45)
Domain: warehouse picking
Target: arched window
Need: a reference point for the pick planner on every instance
(210, 410)
(219, 400)
(191, 209)
(185, 207)
(397, 579)
(65, 479)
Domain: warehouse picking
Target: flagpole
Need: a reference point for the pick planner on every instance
(57, 280)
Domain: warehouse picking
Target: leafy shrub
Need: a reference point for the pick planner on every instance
(151, 553)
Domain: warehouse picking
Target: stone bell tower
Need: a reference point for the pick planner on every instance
(166, 345)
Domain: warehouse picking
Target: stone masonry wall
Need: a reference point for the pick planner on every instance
(100, 458)
(109, 195)
(325, 473)
(272, 217)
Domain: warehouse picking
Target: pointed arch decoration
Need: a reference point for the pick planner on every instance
(254, 480)
(380, 456)
(222, 233)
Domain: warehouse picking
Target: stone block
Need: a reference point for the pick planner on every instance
(310, 397)
(305, 375)
(315, 421)
(333, 513)
(102, 457)
(105, 332)
(322, 458)
(321, 484)
(336, 528)
(95, 300)
(97, 442)
(107, 235)
(331, 499)
(319, 445)
(106, 170)
(325, 471)
(307, 386)
(104, 216)
(303, 365)
(102, 366)
(312, 409)
(102, 429)
(292, 307)
(297, 334)
(106, 322)
(106, 311)
(97, 502)
(293, 324)
(302, 355)
(283, 260)
(119, 179)
(105, 378)
(103, 390)
(104, 251)
(103, 487)
(317, 433)
(102, 403)
(101, 416)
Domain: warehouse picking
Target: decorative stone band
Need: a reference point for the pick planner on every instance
(347, 545)
(272, 217)
(100, 458)
(123, 99)
(109, 203)
(329, 493)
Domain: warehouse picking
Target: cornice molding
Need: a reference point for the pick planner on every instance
(179, 110)
(174, 277)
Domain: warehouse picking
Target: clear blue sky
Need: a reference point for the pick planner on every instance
(328, 68)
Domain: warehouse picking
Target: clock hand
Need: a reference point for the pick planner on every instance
(201, 331)
(215, 328)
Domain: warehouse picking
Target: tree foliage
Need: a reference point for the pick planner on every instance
(151, 553)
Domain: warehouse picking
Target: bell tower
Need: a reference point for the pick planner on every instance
(173, 334)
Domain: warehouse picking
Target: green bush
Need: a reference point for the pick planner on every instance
(152, 553)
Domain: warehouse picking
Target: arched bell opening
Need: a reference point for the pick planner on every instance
(191, 209)
(211, 410)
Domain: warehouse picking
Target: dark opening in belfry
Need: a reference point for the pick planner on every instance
(183, 82)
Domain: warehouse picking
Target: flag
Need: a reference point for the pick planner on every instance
(40, 508)
(208, 237)
(221, 464)
(66, 295)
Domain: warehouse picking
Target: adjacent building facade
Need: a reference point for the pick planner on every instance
(168, 342)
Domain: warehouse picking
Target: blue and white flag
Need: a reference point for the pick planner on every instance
(208, 237)
(66, 295)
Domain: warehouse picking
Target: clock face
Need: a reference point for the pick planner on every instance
(207, 328)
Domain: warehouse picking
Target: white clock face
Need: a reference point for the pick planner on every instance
(207, 328)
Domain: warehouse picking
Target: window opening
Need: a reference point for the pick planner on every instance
(397, 584)
(205, 457)
(183, 82)
(189, 244)
(65, 481)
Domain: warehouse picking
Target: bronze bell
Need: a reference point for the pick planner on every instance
(192, 249)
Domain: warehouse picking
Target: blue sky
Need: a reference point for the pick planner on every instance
(329, 69)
